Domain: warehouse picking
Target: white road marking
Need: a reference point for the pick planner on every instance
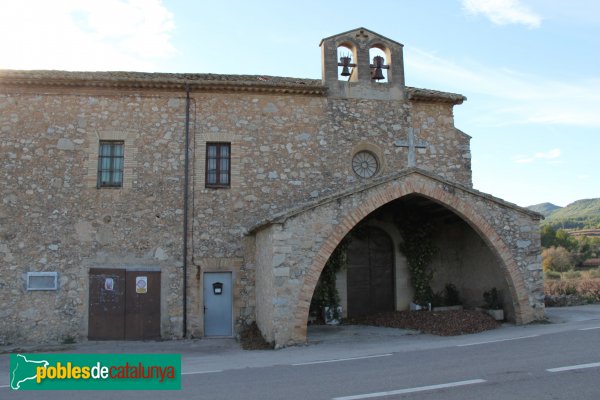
(590, 329)
(202, 372)
(574, 367)
(342, 359)
(496, 341)
(4, 386)
(411, 390)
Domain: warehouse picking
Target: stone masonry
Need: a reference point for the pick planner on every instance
(293, 193)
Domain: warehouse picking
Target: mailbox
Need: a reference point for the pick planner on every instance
(217, 288)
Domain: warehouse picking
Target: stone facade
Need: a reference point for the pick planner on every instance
(293, 193)
(54, 218)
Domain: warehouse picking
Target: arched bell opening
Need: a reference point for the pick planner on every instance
(380, 62)
(347, 62)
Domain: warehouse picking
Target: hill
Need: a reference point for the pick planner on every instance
(580, 214)
(544, 208)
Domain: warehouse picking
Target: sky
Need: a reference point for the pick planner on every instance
(530, 69)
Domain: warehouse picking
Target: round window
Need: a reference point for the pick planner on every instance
(364, 164)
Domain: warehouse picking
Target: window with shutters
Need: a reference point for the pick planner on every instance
(110, 164)
(218, 165)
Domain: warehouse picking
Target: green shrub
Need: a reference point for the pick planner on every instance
(493, 299)
(552, 275)
(451, 295)
(572, 274)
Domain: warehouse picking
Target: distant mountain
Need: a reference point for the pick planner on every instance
(580, 214)
(544, 208)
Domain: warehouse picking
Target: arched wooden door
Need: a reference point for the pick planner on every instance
(370, 275)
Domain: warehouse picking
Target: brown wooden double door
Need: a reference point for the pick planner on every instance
(370, 273)
(124, 305)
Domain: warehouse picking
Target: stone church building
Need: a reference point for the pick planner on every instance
(153, 205)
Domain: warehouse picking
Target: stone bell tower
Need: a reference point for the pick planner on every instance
(361, 64)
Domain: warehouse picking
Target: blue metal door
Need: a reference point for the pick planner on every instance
(218, 301)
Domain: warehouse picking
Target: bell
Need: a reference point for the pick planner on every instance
(345, 63)
(378, 65)
(377, 74)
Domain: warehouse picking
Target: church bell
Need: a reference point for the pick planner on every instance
(345, 64)
(377, 73)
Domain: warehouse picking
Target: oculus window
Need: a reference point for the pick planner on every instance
(364, 164)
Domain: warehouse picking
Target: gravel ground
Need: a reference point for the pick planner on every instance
(252, 339)
(442, 323)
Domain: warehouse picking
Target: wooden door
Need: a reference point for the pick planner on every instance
(370, 275)
(123, 305)
(107, 304)
(142, 305)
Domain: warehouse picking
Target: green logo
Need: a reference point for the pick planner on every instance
(95, 371)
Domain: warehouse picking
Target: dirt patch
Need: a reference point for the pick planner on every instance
(252, 339)
(442, 323)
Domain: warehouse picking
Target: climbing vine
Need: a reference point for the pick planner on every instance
(418, 248)
(326, 293)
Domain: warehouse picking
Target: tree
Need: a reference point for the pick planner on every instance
(563, 239)
(548, 236)
(557, 259)
(557, 238)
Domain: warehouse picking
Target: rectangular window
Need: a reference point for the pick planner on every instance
(218, 161)
(110, 164)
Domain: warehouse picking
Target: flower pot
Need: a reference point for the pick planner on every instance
(448, 308)
(418, 307)
(498, 315)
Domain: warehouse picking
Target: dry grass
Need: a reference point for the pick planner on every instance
(585, 286)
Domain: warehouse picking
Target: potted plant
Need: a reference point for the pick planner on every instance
(448, 299)
(493, 304)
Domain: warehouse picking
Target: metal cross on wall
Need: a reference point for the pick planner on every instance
(411, 143)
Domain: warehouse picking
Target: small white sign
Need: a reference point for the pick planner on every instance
(109, 284)
(141, 284)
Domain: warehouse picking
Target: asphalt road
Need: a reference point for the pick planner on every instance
(543, 362)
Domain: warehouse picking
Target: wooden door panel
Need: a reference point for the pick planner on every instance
(106, 304)
(142, 309)
(370, 277)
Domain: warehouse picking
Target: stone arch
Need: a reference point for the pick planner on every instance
(440, 193)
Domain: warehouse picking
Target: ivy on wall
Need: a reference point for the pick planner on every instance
(326, 293)
(418, 248)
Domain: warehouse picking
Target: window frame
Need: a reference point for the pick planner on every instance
(218, 184)
(53, 279)
(112, 169)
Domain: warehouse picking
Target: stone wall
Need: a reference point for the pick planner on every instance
(287, 150)
(52, 217)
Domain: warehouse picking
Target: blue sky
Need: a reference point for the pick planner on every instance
(529, 68)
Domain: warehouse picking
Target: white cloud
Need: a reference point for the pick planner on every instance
(85, 34)
(503, 12)
(509, 97)
(550, 155)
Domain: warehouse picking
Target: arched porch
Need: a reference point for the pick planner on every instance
(292, 249)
